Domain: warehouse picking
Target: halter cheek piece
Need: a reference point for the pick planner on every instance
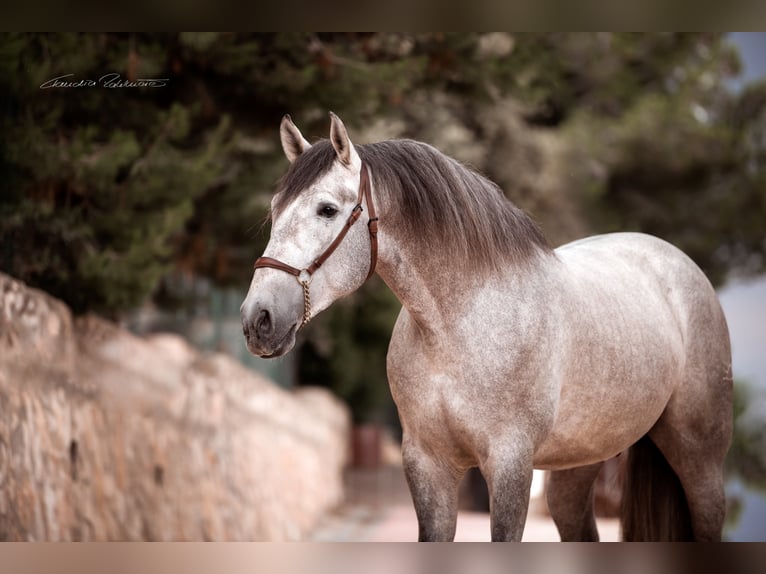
(304, 276)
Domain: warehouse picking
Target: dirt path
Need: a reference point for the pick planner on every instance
(378, 508)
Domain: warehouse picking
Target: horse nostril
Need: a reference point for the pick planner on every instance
(263, 325)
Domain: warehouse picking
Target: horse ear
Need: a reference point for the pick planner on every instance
(293, 142)
(342, 144)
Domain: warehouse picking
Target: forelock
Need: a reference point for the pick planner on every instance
(312, 164)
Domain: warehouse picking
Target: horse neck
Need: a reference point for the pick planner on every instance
(433, 283)
(436, 290)
(418, 283)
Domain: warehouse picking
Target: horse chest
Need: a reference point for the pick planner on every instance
(459, 420)
(446, 420)
(431, 400)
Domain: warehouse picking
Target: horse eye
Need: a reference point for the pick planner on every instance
(327, 210)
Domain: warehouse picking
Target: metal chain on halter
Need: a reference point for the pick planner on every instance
(306, 301)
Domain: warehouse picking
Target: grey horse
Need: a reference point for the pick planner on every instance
(508, 355)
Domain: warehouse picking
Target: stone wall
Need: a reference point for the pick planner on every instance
(107, 436)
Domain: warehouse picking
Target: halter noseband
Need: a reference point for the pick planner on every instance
(304, 276)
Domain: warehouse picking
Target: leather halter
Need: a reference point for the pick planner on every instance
(304, 276)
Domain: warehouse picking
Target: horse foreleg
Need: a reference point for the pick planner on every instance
(508, 471)
(434, 488)
(569, 494)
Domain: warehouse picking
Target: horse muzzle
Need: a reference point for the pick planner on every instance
(265, 335)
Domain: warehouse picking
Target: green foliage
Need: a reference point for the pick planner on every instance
(680, 161)
(746, 458)
(97, 181)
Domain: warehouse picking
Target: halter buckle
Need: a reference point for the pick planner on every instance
(304, 277)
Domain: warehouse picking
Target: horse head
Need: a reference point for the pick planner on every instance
(315, 254)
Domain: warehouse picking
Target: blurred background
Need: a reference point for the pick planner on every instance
(148, 205)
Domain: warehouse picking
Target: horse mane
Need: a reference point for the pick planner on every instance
(439, 202)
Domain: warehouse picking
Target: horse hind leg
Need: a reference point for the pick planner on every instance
(569, 494)
(653, 506)
(698, 464)
(694, 431)
(683, 456)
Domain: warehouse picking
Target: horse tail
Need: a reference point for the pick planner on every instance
(654, 506)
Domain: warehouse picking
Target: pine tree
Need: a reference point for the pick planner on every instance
(96, 181)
